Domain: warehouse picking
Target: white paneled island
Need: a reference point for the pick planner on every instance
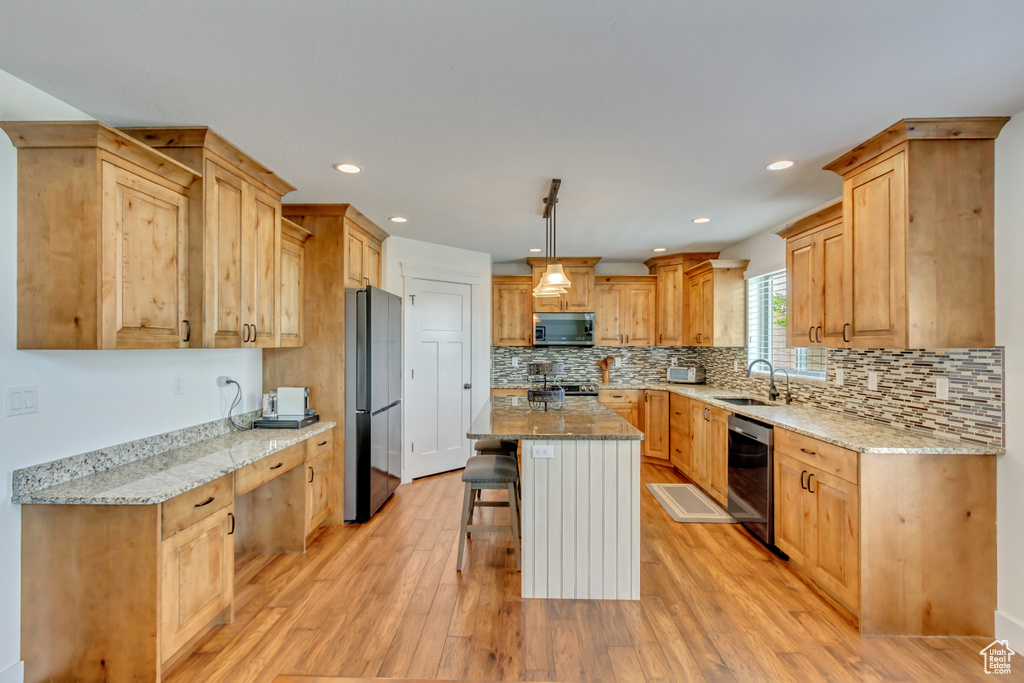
(580, 496)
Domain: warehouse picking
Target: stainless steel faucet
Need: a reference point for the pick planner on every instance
(773, 393)
(789, 395)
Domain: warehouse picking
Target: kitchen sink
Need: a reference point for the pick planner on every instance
(745, 401)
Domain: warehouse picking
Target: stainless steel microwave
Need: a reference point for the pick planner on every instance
(563, 329)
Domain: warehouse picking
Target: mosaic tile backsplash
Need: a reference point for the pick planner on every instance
(906, 381)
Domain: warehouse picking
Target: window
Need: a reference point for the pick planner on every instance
(766, 328)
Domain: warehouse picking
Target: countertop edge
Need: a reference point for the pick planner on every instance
(33, 497)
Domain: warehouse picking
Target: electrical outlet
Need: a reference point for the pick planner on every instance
(735, 366)
(840, 377)
(515, 361)
(618, 361)
(942, 388)
(872, 381)
(675, 362)
(515, 400)
(177, 384)
(22, 400)
(543, 452)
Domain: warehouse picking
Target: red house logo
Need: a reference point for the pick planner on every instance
(997, 657)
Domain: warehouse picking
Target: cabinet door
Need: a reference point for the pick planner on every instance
(804, 292)
(372, 264)
(707, 309)
(718, 455)
(355, 254)
(545, 304)
(638, 308)
(318, 490)
(874, 215)
(511, 314)
(197, 567)
(698, 443)
(625, 403)
(145, 263)
(794, 510)
(830, 266)
(670, 305)
(261, 268)
(292, 262)
(836, 563)
(225, 231)
(580, 297)
(696, 317)
(679, 433)
(656, 424)
(608, 315)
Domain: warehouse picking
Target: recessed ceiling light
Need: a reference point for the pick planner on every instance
(348, 168)
(397, 219)
(702, 219)
(536, 250)
(659, 249)
(780, 165)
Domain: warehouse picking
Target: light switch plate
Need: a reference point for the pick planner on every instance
(942, 388)
(618, 361)
(543, 452)
(840, 377)
(872, 381)
(22, 400)
(177, 384)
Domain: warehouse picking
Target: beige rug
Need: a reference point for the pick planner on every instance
(687, 503)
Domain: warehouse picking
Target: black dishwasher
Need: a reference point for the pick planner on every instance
(750, 477)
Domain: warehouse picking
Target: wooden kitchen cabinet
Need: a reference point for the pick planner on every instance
(815, 261)
(511, 310)
(709, 450)
(679, 441)
(718, 304)
(235, 238)
(293, 254)
(625, 311)
(930, 284)
(673, 297)
(626, 403)
(579, 298)
(656, 425)
(319, 470)
(103, 240)
(362, 256)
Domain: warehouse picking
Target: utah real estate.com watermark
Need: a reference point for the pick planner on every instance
(997, 657)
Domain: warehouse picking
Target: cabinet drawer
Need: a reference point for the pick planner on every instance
(320, 444)
(826, 457)
(183, 511)
(262, 471)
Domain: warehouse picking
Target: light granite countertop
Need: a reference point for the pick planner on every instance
(581, 419)
(853, 433)
(161, 477)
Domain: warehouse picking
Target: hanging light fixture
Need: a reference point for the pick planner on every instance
(554, 281)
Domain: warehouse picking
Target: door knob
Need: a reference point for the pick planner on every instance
(467, 385)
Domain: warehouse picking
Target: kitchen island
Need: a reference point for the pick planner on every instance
(580, 483)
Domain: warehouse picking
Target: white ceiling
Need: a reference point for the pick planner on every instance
(461, 111)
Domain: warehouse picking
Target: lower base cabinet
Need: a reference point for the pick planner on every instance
(679, 444)
(656, 425)
(709, 450)
(627, 404)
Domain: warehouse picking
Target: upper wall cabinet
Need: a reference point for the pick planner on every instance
(816, 306)
(718, 303)
(918, 235)
(625, 310)
(579, 298)
(512, 310)
(361, 240)
(673, 297)
(103, 239)
(235, 238)
(293, 261)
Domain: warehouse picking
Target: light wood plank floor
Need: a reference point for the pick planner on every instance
(383, 600)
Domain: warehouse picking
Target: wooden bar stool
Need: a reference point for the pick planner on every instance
(505, 447)
(490, 471)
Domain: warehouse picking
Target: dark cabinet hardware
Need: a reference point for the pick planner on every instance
(817, 334)
(802, 484)
(245, 333)
(845, 338)
(280, 464)
(231, 516)
(253, 333)
(310, 475)
(188, 330)
(322, 443)
(808, 452)
(467, 385)
(809, 477)
(809, 331)
(205, 502)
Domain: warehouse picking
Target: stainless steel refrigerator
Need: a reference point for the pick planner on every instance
(373, 400)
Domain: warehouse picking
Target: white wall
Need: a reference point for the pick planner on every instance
(401, 252)
(87, 399)
(1010, 334)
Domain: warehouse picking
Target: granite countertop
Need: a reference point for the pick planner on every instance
(853, 433)
(162, 477)
(581, 419)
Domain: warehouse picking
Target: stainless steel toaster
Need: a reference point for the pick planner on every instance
(691, 375)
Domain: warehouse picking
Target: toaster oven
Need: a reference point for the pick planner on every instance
(691, 375)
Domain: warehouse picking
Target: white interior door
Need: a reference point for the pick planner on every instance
(438, 408)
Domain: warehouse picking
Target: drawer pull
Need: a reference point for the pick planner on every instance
(280, 464)
(809, 477)
(808, 452)
(322, 443)
(802, 484)
(205, 502)
(231, 515)
(310, 475)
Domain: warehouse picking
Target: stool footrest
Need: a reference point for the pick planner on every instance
(490, 504)
(478, 527)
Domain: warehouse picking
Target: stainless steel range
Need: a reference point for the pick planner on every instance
(580, 389)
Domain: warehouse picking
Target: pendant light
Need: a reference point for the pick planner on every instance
(554, 281)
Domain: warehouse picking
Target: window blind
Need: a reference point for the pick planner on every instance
(766, 329)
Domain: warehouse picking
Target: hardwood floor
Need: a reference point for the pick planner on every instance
(383, 600)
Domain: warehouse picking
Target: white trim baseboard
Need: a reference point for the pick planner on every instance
(1010, 630)
(15, 673)
(421, 271)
